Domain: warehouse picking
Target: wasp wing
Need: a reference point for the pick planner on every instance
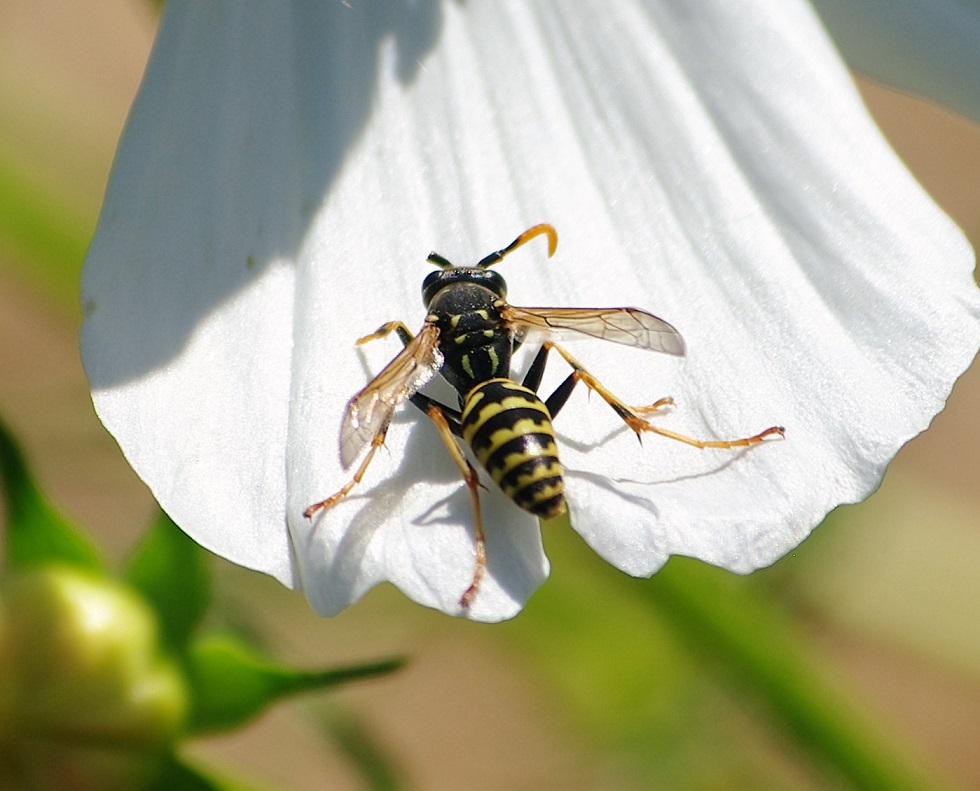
(370, 411)
(629, 326)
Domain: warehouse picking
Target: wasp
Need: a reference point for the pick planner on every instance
(469, 337)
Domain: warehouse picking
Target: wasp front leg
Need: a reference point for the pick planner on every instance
(365, 425)
(398, 327)
(632, 415)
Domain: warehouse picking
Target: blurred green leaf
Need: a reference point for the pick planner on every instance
(46, 235)
(630, 690)
(739, 633)
(699, 662)
(171, 572)
(177, 775)
(36, 533)
(230, 683)
(361, 747)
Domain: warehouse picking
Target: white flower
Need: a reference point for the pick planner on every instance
(287, 168)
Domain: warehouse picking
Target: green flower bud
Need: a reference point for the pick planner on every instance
(88, 699)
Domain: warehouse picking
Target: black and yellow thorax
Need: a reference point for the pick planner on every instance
(475, 342)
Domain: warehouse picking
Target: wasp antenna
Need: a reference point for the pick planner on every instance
(525, 237)
(440, 261)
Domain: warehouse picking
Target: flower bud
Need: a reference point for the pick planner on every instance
(88, 698)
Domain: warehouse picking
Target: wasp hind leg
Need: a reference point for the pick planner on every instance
(437, 415)
(632, 416)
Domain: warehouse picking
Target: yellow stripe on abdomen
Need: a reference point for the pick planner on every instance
(509, 429)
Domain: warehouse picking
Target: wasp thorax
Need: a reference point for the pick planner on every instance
(437, 281)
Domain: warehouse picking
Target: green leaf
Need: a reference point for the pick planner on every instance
(661, 673)
(740, 632)
(47, 236)
(230, 683)
(36, 533)
(171, 572)
(361, 748)
(178, 775)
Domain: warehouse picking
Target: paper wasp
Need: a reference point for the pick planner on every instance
(469, 336)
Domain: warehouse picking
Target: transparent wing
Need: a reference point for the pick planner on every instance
(370, 410)
(629, 326)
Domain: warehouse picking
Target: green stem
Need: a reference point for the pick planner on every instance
(740, 631)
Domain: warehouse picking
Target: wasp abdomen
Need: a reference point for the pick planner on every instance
(509, 429)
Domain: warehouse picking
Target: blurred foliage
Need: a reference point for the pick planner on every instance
(170, 571)
(42, 233)
(91, 666)
(232, 683)
(36, 533)
(360, 747)
(685, 677)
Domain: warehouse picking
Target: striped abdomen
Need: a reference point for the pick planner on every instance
(509, 429)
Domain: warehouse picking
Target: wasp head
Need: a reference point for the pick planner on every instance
(479, 275)
(437, 281)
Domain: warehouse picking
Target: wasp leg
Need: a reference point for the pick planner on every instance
(532, 379)
(421, 401)
(379, 438)
(659, 405)
(473, 483)
(557, 399)
(377, 442)
(386, 329)
(631, 415)
(453, 416)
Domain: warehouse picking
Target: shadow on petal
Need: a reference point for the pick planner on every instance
(251, 152)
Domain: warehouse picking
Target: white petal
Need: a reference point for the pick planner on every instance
(931, 47)
(188, 285)
(284, 176)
